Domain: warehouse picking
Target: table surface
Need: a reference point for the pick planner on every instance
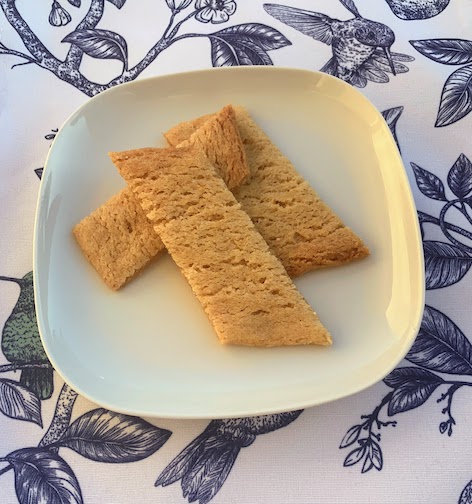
(404, 440)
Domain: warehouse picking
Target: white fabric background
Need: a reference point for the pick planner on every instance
(301, 463)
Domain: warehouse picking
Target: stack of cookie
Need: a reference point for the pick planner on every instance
(236, 218)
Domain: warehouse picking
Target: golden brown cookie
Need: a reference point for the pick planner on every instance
(117, 238)
(242, 286)
(301, 230)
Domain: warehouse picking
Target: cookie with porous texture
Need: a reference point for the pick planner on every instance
(219, 139)
(301, 230)
(186, 129)
(118, 239)
(242, 286)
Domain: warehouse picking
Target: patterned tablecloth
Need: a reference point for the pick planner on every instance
(404, 440)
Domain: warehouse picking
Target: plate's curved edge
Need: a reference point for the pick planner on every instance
(241, 412)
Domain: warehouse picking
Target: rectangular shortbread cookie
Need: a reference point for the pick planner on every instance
(301, 230)
(241, 285)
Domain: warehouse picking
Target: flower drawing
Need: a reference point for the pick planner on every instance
(215, 11)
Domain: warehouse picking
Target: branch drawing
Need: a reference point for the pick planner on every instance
(41, 474)
(61, 418)
(412, 387)
(244, 44)
(441, 354)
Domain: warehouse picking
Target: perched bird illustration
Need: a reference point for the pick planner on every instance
(361, 47)
(206, 462)
(21, 343)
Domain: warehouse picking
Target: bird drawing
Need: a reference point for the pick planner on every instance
(21, 343)
(361, 47)
(206, 462)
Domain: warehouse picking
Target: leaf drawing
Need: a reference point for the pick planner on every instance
(403, 375)
(410, 395)
(376, 456)
(456, 97)
(106, 436)
(75, 3)
(466, 495)
(412, 387)
(373, 456)
(445, 264)
(446, 51)
(459, 177)
(428, 183)
(264, 36)
(440, 345)
(223, 53)
(245, 44)
(118, 3)
(391, 117)
(355, 456)
(43, 476)
(351, 436)
(18, 402)
(101, 44)
(350, 6)
(368, 463)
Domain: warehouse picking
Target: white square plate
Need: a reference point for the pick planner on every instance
(149, 349)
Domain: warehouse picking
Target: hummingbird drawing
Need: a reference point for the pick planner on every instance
(361, 47)
(206, 462)
(21, 343)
